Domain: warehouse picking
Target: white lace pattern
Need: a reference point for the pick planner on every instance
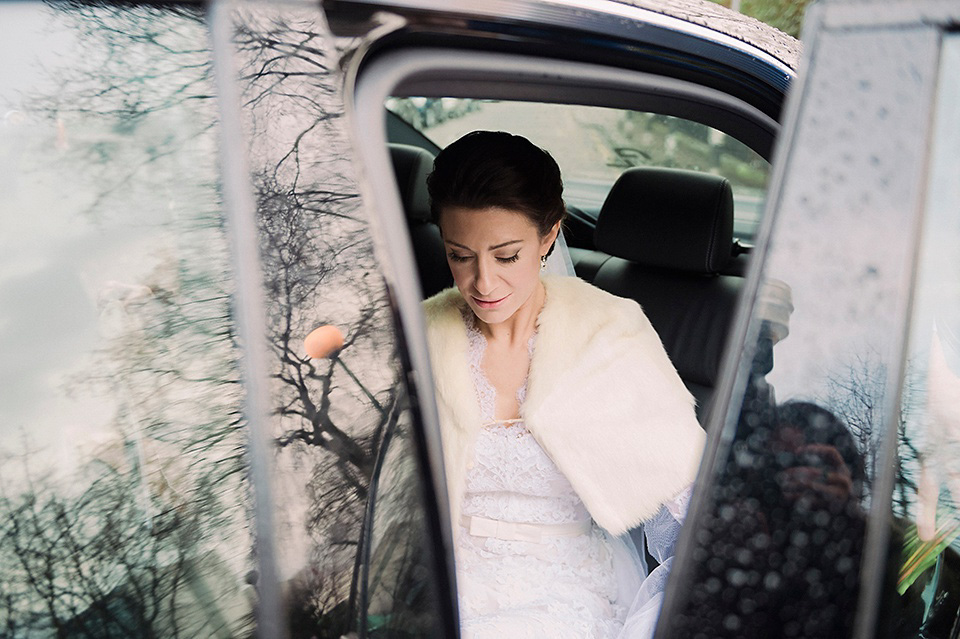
(562, 586)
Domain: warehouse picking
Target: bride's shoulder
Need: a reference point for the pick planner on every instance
(590, 304)
(443, 303)
(444, 312)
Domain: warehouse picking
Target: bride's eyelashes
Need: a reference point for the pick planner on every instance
(503, 260)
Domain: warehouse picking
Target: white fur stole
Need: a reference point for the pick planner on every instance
(603, 400)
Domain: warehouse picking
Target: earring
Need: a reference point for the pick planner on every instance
(543, 262)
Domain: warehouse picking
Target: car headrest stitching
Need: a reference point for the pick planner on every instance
(714, 230)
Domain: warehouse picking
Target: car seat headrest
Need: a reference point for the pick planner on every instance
(668, 218)
(412, 165)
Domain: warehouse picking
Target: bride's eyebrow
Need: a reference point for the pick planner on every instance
(492, 248)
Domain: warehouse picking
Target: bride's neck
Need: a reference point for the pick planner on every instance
(516, 329)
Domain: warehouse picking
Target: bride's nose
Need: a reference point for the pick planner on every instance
(484, 281)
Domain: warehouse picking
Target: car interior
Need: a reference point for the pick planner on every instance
(663, 237)
(660, 235)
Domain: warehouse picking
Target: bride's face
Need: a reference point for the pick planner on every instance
(494, 255)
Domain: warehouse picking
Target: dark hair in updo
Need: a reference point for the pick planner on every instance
(487, 169)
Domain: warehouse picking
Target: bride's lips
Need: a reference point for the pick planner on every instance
(489, 304)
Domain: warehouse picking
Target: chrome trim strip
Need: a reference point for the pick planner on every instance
(874, 566)
(366, 128)
(241, 211)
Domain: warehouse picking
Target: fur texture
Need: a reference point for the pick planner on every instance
(603, 400)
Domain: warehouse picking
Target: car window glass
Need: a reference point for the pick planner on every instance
(926, 561)
(396, 598)
(124, 508)
(594, 145)
(126, 496)
(347, 483)
(793, 526)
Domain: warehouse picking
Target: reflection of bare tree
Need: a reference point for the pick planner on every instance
(857, 397)
(147, 535)
(143, 75)
(297, 267)
(137, 60)
(93, 566)
(141, 79)
(319, 266)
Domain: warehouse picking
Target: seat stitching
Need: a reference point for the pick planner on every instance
(713, 230)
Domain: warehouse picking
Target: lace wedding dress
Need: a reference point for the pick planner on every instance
(530, 561)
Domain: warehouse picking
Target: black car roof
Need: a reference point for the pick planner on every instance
(718, 18)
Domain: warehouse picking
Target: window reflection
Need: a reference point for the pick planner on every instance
(398, 599)
(331, 413)
(123, 504)
(924, 571)
(779, 553)
(781, 546)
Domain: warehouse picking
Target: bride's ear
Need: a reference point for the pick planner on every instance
(549, 238)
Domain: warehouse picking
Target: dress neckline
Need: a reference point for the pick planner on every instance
(486, 393)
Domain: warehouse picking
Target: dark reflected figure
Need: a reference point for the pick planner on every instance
(778, 552)
(820, 520)
(822, 467)
(800, 517)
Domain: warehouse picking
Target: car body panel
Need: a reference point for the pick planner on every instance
(614, 33)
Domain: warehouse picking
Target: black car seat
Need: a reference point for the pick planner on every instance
(663, 238)
(411, 166)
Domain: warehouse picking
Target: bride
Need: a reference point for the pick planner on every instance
(563, 422)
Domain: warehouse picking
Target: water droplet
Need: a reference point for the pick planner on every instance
(772, 580)
(731, 622)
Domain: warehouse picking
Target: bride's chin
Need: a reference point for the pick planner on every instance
(493, 315)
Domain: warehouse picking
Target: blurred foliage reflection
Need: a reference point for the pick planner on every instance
(786, 15)
(123, 505)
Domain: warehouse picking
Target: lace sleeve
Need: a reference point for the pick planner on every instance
(661, 534)
(662, 531)
(679, 505)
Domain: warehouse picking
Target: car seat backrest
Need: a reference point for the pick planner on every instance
(663, 237)
(411, 166)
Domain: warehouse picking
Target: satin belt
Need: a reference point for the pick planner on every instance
(513, 531)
